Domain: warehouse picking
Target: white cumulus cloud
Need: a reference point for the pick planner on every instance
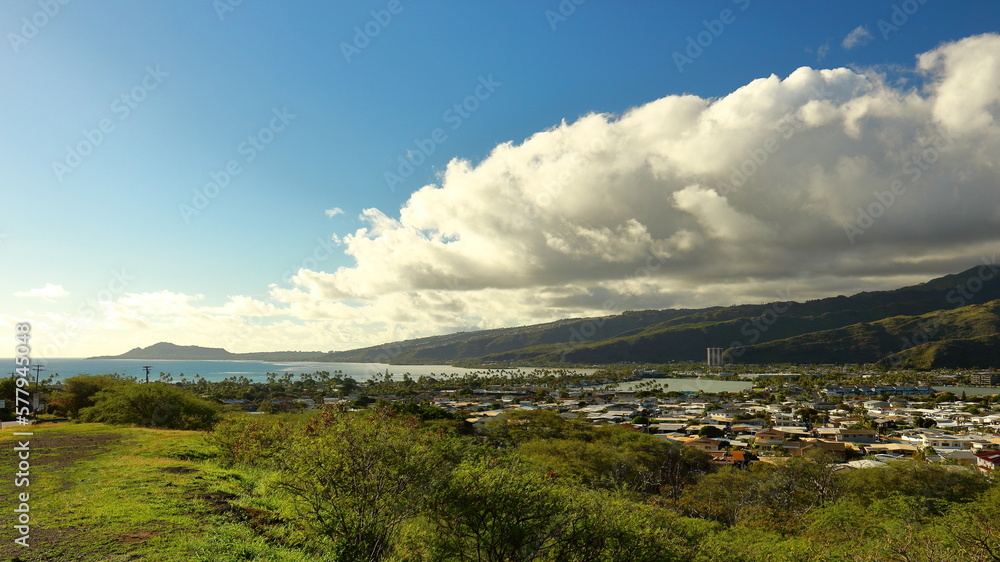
(49, 291)
(653, 207)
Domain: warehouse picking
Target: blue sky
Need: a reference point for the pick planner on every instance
(200, 78)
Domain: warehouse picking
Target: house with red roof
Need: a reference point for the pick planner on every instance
(988, 460)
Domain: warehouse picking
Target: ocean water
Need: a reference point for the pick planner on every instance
(218, 370)
(257, 371)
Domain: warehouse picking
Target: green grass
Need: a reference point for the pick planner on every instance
(103, 493)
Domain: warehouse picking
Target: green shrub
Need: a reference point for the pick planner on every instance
(81, 391)
(356, 477)
(156, 405)
(252, 440)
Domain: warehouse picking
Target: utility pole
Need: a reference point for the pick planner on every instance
(34, 398)
(147, 368)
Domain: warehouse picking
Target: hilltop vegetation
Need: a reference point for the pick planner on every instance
(390, 484)
(406, 480)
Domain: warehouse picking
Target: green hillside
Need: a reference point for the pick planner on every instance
(835, 329)
(963, 337)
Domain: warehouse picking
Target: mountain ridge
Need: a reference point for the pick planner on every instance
(165, 351)
(867, 327)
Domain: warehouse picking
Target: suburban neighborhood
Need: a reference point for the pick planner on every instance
(854, 425)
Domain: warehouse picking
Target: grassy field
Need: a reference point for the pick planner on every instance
(114, 494)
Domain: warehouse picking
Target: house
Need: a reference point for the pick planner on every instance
(769, 437)
(244, 405)
(838, 390)
(738, 459)
(988, 461)
(305, 404)
(667, 428)
(743, 429)
(754, 424)
(962, 456)
(945, 441)
(987, 445)
(281, 404)
(703, 444)
(623, 409)
(846, 435)
(877, 406)
(823, 406)
(890, 449)
(832, 448)
(792, 431)
(886, 423)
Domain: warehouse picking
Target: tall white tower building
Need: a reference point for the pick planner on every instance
(715, 356)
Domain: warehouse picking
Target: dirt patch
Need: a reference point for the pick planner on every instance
(218, 502)
(138, 536)
(178, 470)
(259, 519)
(58, 450)
(50, 545)
(51, 452)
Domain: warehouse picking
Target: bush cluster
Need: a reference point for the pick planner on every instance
(385, 484)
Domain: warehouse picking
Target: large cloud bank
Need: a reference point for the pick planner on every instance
(826, 180)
